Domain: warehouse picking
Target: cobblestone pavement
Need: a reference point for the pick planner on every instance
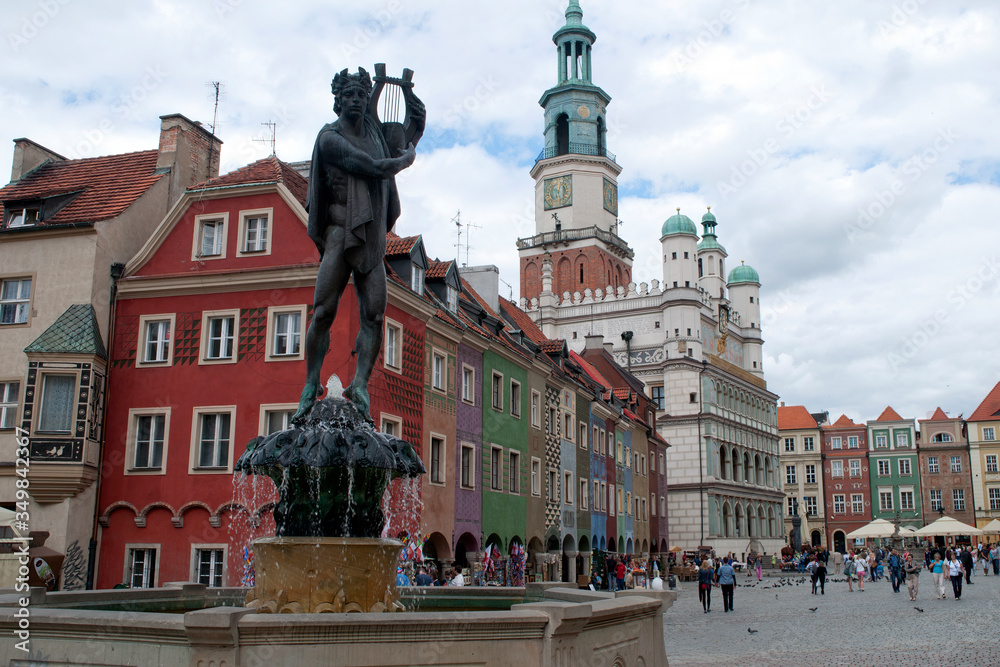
(877, 627)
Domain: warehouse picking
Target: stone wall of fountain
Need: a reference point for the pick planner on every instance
(563, 627)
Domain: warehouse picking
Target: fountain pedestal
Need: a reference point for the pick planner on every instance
(302, 575)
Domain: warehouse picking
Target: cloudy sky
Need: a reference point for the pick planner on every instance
(849, 149)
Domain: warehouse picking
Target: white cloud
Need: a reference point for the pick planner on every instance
(700, 89)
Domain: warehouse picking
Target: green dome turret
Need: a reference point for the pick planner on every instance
(709, 240)
(679, 224)
(743, 274)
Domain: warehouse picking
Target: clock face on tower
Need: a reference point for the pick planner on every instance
(610, 197)
(558, 192)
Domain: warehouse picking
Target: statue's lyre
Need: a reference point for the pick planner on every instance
(398, 135)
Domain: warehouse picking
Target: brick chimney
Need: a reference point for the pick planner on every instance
(28, 155)
(188, 151)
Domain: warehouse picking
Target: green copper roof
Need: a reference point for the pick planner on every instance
(74, 332)
(743, 274)
(574, 23)
(710, 242)
(708, 217)
(679, 224)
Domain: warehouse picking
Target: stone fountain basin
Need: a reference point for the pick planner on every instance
(545, 625)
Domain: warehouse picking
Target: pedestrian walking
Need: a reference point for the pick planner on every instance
(706, 579)
(760, 569)
(895, 569)
(811, 569)
(849, 570)
(955, 571)
(911, 571)
(820, 577)
(838, 562)
(726, 578)
(995, 557)
(861, 566)
(938, 570)
(968, 564)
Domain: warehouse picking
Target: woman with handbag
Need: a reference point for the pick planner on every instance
(706, 579)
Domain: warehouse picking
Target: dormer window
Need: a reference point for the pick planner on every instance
(452, 295)
(23, 217)
(417, 278)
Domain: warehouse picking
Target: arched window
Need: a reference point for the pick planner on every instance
(562, 134)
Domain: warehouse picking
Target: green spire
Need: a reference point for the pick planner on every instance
(574, 14)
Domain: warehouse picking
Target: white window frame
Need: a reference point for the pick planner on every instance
(387, 418)
(810, 502)
(439, 371)
(206, 319)
(789, 445)
(839, 503)
(993, 496)
(195, 449)
(992, 463)
(853, 442)
(568, 488)
(275, 312)
(496, 468)
(417, 276)
(41, 400)
(10, 404)
(536, 409)
(514, 472)
(791, 475)
(18, 217)
(127, 565)
(989, 433)
(836, 468)
(266, 409)
(552, 476)
(857, 499)
(196, 563)
(394, 364)
(882, 492)
(21, 304)
(902, 439)
(130, 440)
(958, 500)
(886, 465)
(536, 476)
(496, 397)
(442, 460)
(956, 465)
(144, 323)
(933, 465)
(470, 483)
(583, 435)
(468, 388)
(937, 502)
(903, 490)
(584, 494)
(255, 214)
(199, 230)
(515, 400)
(835, 442)
(881, 441)
(810, 474)
(908, 466)
(808, 443)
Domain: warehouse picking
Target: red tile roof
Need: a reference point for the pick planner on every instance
(399, 245)
(989, 409)
(889, 415)
(844, 422)
(939, 415)
(590, 370)
(623, 393)
(268, 170)
(551, 346)
(795, 417)
(106, 185)
(523, 322)
(438, 269)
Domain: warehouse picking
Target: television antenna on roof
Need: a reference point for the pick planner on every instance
(273, 127)
(458, 231)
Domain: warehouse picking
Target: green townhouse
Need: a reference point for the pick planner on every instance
(893, 469)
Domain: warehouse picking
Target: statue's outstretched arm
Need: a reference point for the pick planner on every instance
(340, 153)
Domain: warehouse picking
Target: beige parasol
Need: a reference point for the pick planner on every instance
(948, 526)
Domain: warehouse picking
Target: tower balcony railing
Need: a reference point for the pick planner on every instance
(576, 149)
(565, 235)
